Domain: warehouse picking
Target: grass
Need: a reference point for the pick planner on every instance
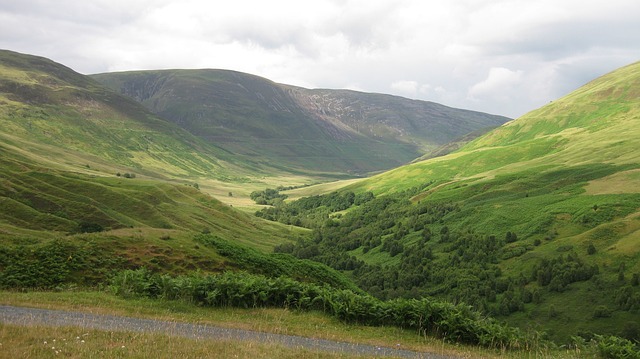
(72, 342)
(280, 321)
(45, 202)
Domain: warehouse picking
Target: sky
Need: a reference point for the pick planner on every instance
(504, 57)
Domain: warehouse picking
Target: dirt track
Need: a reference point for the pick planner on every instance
(32, 316)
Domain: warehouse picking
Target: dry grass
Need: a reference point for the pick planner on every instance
(72, 342)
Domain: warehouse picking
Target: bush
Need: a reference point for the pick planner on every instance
(89, 227)
(617, 348)
(54, 263)
(451, 322)
(602, 312)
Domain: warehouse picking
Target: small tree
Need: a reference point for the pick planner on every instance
(591, 249)
(602, 312)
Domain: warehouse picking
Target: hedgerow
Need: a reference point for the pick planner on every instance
(456, 323)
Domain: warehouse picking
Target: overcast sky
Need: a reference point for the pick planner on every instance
(499, 56)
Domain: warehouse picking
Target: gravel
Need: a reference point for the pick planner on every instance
(33, 316)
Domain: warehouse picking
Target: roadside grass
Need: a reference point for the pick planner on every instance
(279, 321)
(74, 342)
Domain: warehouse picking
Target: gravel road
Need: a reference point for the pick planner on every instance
(32, 316)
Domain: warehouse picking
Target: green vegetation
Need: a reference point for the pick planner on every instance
(90, 261)
(269, 196)
(613, 347)
(534, 222)
(270, 320)
(455, 323)
(394, 248)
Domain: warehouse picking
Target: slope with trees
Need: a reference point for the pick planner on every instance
(536, 222)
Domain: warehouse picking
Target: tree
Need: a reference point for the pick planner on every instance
(621, 276)
(602, 312)
(591, 249)
(89, 227)
(426, 234)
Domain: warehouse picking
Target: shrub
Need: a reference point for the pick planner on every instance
(602, 312)
(617, 348)
(452, 322)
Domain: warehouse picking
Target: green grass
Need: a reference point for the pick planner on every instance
(47, 200)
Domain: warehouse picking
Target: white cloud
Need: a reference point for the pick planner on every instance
(407, 88)
(498, 84)
(462, 53)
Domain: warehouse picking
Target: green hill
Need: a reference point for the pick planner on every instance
(595, 124)
(295, 128)
(91, 183)
(537, 222)
(47, 104)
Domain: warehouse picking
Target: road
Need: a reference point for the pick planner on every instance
(32, 316)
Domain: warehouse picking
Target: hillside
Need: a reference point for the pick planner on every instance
(536, 222)
(47, 104)
(318, 131)
(93, 183)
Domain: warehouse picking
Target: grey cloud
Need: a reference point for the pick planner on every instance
(443, 47)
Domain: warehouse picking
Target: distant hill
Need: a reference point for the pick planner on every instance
(536, 222)
(296, 128)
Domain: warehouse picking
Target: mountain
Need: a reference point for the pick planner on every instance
(536, 222)
(296, 128)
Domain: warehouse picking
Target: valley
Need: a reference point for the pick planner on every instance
(502, 235)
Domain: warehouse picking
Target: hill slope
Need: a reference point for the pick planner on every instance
(91, 183)
(74, 152)
(309, 130)
(596, 124)
(537, 221)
